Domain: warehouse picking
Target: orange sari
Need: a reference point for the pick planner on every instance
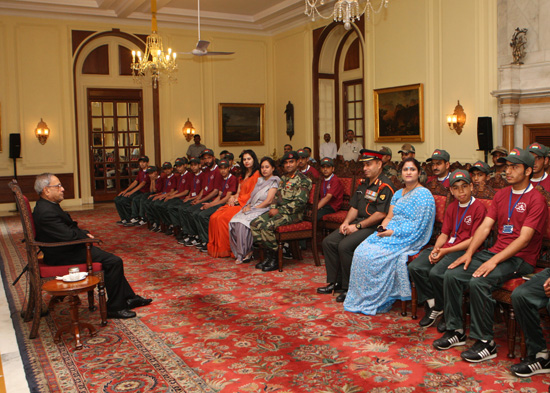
(218, 226)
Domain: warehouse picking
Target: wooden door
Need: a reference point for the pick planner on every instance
(536, 133)
(115, 134)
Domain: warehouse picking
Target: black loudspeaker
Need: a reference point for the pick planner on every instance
(15, 145)
(485, 133)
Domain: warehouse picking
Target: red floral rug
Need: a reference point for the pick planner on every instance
(219, 327)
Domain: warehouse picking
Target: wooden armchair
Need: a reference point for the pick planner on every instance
(40, 272)
(306, 229)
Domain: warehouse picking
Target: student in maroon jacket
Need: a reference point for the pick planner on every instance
(303, 164)
(174, 198)
(332, 190)
(211, 185)
(540, 177)
(521, 214)
(156, 184)
(188, 190)
(170, 183)
(440, 167)
(199, 218)
(462, 217)
(137, 189)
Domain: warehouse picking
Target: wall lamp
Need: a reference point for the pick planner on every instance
(457, 120)
(42, 132)
(188, 130)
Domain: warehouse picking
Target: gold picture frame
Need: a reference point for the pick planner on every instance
(399, 114)
(241, 124)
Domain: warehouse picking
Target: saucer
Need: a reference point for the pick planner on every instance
(67, 277)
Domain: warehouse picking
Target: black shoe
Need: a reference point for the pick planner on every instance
(138, 301)
(480, 352)
(332, 287)
(121, 222)
(341, 297)
(204, 247)
(248, 259)
(430, 316)
(269, 256)
(530, 366)
(442, 326)
(169, 232)
(121, 314)
(190, 242)
(271, 266)
(450, 339)
(128, 224)
(287, 254)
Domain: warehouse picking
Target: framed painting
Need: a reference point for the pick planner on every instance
(241, 124)
(399, 114)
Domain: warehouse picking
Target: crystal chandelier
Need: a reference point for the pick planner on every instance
(155, 61)
(347, 11)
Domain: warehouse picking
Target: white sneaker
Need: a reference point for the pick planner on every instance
(133, 221)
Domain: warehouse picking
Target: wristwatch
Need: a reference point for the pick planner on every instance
(358, 225)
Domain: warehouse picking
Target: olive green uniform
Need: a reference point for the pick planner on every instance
(290, 200)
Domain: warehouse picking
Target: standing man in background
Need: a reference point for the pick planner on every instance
(349, 151)
(328, 149)
(195, 150)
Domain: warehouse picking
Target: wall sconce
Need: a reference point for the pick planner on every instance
(457, 120)
(42, 132)
(188, 130)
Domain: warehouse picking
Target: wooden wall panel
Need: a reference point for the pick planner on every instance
(27, 186)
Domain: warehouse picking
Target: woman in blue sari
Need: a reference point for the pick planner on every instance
(379, 274)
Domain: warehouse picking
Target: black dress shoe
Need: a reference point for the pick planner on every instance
(138, 301)
(271, 266)
(341, 297)
(332, 287)
(121, 314)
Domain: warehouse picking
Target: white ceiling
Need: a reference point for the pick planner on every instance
(255, 16)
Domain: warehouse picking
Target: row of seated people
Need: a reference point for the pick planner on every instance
(409, 226)
(366, 259)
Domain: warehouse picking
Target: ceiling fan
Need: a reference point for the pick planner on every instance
(202, 46)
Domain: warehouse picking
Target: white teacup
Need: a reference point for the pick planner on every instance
(74, 273)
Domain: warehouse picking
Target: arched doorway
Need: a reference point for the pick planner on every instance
(338, 83)
(114, 116)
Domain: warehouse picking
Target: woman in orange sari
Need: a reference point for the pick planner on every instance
(218, 227)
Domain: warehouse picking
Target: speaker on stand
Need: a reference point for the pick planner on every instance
(15, 153)
(485, 135)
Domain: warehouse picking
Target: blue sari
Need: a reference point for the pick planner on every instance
(379, 273)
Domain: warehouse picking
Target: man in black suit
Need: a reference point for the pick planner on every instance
(55, 225)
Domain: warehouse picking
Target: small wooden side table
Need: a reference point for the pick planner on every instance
(72, 289)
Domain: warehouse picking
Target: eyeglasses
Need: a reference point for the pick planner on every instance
(57, 185)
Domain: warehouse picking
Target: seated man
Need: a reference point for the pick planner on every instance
(462, 217)
(332, 190)
(440, 167)
(540, 177)
(123, 201)
(54, 225)
(388, 169)
(527, 300)
(479, 173)
(303, 164)
(498, 168)
(368, 207)
(287, 208)
(521, 214)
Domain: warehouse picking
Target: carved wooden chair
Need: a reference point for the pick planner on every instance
(333, 221)
(40, 272)
(306, 229)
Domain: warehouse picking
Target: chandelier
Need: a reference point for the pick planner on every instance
(155, 61)
(347, 11)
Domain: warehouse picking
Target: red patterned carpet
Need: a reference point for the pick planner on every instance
(218, 327)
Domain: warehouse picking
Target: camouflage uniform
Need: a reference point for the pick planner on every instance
(290, 200)
(389, 171)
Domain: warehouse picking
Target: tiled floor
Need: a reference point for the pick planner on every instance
(13, 371)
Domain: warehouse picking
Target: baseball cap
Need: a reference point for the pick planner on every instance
(538, 149)
(519, 156)
(440, 154)
(167, 165)
(229, 156)
(459, 175)
(194, 160)
(289, 155)
(224, 163)
(152, 169)
(481, 166)
(143, 158)
(500, 149)
(385, 150)
(327, 161)
(407, 148)
(180, 161)
(368, 155)
(207, 151)
(302, 153)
